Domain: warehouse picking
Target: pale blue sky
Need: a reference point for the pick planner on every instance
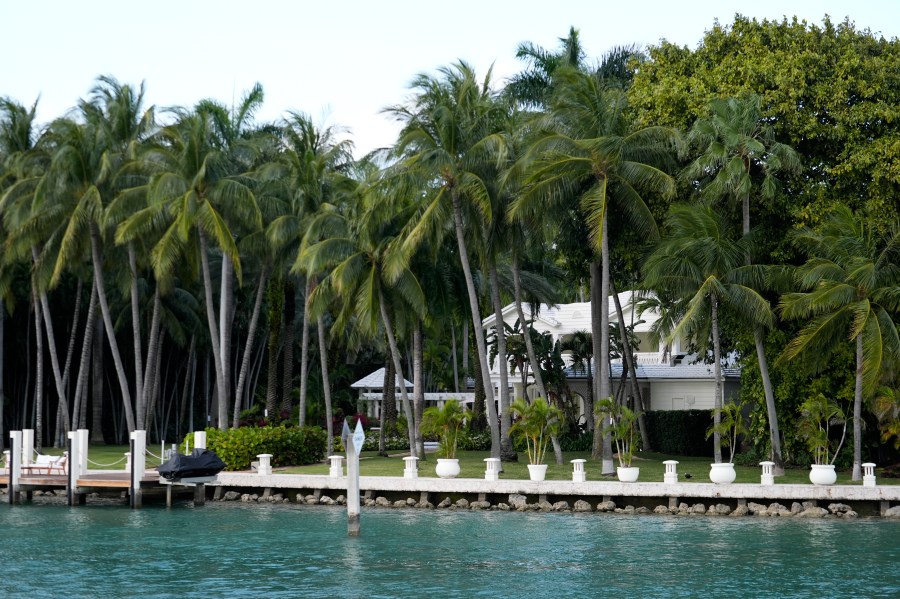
(340, 61)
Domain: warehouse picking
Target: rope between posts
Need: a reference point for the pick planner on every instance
(153, 455)
(93, 463)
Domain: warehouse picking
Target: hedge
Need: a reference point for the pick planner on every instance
(680, 432)
(289, 446)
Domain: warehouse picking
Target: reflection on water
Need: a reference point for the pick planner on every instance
(237, 550)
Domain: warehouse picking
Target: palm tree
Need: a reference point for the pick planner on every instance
(355, 253)
(698, 262)
(449, 132)
(738, 147)
(312, 168)
(850, 289)
(591, 154)
(195, 181)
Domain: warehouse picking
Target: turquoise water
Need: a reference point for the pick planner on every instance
(242, 550)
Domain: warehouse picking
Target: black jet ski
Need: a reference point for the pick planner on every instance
(201, 462)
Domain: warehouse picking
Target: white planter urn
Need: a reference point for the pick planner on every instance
(537, 471)
(447, 468)
(722, 474)
(822, 474)
(628, 474)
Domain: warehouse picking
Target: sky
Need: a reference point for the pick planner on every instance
(341, 61)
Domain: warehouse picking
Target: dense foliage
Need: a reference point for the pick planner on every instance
(289, 446)
(165, 272)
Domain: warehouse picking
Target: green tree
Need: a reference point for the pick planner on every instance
(592, 155)
(850, 289)
(738, 148)
(697, 261)
(449, 131)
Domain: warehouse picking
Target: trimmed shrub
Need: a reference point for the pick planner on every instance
(680, 432)
(289, 446)
(577, 441)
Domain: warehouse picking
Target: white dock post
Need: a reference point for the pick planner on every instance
(578, 473)
(670, 477)
(200, 440)
(767, 478)
(491, 468)
(138, 465)
(72, 437)
(868, 474)
(353, 445)
(412, 467)
(337, 466)
(15, 466)
(27, 455)
(82, 451)
(265, 464)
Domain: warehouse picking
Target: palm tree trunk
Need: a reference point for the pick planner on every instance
(507, 453)
(97, 386)
(388, 399)
(717, 401)
(213, 333)
(476, 323)
(39, 371)
(418, 387)
(326, 385)
(464, 374)
(771, 411)
(304, 353)
(138, 344)
(287, 361)
(153, 349)
(526, 330)
(108, 324)
(455, 351)
(226, 315)
(596, 310)
(759, 342)
(248, 347)
(395, 355)
(630, 365)
(81, 381)
(604, 385)
(857, 409)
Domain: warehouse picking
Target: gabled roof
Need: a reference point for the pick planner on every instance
(376, 381)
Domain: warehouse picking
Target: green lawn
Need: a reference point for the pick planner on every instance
(472, 466)
(651, 464)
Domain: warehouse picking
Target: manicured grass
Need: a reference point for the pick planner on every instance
(471, 465)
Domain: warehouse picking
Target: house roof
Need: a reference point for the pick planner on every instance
(568, 318)
(376, 381)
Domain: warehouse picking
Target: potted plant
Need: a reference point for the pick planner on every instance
(445, 421)
(620, 421)
(817, 415)
(536, 423)
(731, 426)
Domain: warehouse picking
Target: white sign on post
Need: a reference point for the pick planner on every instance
(359, 437)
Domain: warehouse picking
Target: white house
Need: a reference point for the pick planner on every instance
(669, 377)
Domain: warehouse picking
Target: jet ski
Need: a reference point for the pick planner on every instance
(201, 463)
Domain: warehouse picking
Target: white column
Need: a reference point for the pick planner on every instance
(15, 466)
(138, 465)
(82, 451)
(265, 464)
(578, 473)
(767, 477)
(337, 466)
(868, 474)
(200, 440)
(670, 477)
(27, 447)
(412, 467)
(491, 468)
